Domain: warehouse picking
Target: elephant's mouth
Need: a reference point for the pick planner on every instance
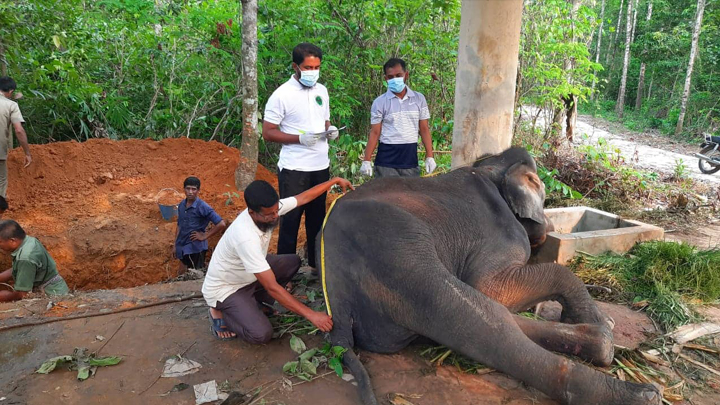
(535, 242)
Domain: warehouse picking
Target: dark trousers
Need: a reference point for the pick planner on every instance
(292, 183)
(195, 260)
(240, 310)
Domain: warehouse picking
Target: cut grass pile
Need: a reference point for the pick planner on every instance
(665, 276)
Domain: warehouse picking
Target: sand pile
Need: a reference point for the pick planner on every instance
(94, 204)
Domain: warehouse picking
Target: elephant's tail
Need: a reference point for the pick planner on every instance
(352, 362)
(341, 335)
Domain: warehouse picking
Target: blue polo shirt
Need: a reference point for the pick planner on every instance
(193, 218)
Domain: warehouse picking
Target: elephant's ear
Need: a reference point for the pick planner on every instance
(524, 192)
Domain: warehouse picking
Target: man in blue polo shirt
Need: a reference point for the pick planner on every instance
(396, 119)
(194, 215)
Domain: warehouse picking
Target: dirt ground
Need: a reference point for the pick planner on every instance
(145, 338)
(93, 204)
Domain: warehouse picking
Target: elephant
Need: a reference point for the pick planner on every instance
(445, 258)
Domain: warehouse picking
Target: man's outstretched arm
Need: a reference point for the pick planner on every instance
(315, 192)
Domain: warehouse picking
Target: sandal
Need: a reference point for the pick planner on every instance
(218, 325)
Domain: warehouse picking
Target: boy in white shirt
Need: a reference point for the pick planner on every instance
(241, 275)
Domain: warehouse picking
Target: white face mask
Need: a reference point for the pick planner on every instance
(308, 78)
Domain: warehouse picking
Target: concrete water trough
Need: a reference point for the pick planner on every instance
(585, 229)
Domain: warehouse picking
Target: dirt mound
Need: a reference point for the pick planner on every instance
(94, 205)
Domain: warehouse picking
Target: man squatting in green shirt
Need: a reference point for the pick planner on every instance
(32, 266)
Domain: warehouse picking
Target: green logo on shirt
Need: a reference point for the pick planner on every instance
(318, 100)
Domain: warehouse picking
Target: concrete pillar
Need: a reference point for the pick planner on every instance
(485, 79)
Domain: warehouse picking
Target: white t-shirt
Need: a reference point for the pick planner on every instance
(297, 109)
(239, 255)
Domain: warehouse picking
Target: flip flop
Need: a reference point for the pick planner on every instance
(218, 325)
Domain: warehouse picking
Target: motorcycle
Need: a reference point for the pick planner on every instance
(709, 156)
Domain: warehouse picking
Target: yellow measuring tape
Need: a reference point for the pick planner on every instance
(322, 251)
(322, 256)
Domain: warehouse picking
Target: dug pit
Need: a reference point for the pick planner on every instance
(94, 205)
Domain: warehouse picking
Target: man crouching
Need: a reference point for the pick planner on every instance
(241, 275)
(32, 266)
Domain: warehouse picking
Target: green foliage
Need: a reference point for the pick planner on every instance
(680, 170)
(85, 363)
(308, 361)
(554, 59)
(553, 185)
(230, 195)
(663, 44)
(666, 274)
(145, 69)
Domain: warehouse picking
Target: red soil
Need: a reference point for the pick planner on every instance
(94, 204)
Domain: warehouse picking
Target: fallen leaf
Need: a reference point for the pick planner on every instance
(176, 388)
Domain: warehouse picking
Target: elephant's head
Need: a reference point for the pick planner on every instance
(515, 174)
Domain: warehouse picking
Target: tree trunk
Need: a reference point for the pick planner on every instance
(634, 25)
(245, 172)
(598, 48)
(652, 76)
(688, 76)
(641, 79)
(3, 61)
(486, 73)
(570, 100)
(620, 106)
(613, 41)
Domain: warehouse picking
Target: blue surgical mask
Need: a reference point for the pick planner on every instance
(308, 78)
(396, 85)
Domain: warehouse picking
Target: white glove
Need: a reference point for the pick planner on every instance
(366, 168)
(309, 138)
(430, 165)
(334, 134)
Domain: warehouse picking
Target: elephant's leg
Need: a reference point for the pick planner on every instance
(521, 288)
(591, 342)
(454, 314)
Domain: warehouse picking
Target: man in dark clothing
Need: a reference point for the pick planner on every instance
(194, 215)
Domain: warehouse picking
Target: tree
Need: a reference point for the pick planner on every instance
(615, 35)
(599, 42)
(634, 25)
(485, 78)
(620, 106)
(245, 172)
(641, 79)
(3, 61)
(688, 76)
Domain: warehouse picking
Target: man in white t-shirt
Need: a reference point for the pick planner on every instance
(242, 276)
(295, 115)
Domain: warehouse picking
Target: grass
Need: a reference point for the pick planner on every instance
(668, 275)
(441, 355)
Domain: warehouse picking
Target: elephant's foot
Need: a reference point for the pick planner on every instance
(591, 342)
(585, 389)
(598, 345)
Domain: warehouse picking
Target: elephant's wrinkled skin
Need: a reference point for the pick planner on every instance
(445, 258)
